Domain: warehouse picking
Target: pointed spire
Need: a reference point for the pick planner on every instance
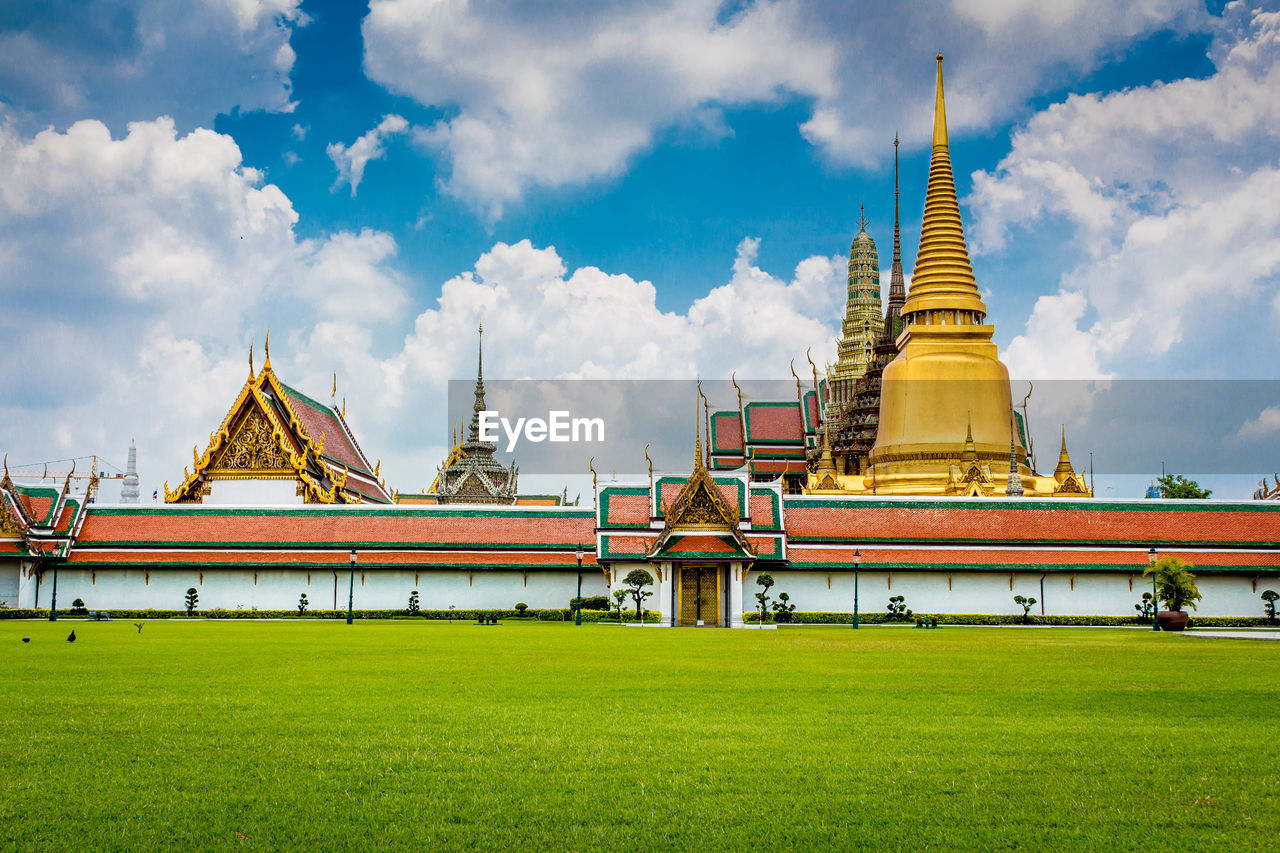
(897, 285)
(939, 112)
(266, 352)
(129, 487)
(862, 217)
(1064, 469)
(697, 429)
(1014, 487)
(473, 435)
(251, 373)
(335, 386)
(970, 453)
(943, 277)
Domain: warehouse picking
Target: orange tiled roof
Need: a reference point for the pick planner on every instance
(1017, 558)
(336, 558)
(628, 509)
(1029, 522)
(324, 527)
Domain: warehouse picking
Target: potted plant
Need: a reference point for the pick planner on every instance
(1176, 587)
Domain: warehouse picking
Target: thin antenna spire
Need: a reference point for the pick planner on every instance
(473, 435)
(697, 428)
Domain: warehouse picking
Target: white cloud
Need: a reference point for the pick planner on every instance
(124, 60)
(351, 161)
(137, 270)
(549, 97)
(1265, 424)
(539, 96)
(546, 322)
(1167, 196)
(140, 267)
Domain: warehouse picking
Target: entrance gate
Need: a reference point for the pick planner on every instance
(699, 595)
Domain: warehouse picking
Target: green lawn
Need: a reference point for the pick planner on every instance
(447, 735)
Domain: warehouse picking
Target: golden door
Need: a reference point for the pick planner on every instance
(700, 595)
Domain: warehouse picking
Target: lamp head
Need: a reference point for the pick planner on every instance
(857, 557)
(353, 556)
(1151, 555)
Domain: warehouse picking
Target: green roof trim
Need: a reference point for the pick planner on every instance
(303, 398)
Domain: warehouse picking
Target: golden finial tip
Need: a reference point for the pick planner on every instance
(939, 57)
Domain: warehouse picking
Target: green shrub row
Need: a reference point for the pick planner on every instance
(592, 602)
(823, 618)
(554, 614)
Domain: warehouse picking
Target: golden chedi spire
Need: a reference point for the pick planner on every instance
(947, 380)
(1064, 469)
(943, 277)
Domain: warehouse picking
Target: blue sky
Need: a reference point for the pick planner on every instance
(633, 190)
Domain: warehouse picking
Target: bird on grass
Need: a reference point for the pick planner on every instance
(72, 637)
(26, 639)
(138, 625)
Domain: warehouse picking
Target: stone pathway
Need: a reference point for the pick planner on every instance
(1248, 635)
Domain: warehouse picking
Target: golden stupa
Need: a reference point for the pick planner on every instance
(946, 422)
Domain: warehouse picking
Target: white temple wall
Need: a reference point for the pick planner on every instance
(1101, 594)
(926, 592)
(279, 589)
(9, 582)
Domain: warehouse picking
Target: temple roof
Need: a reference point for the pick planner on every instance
(273, 431)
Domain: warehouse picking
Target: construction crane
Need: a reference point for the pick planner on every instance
(59, 470)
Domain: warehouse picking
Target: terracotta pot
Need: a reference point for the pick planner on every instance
(1172, 620)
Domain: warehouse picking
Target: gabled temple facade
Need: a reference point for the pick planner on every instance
(278, 446)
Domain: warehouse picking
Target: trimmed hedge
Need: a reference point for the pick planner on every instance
(821, 618)
(555, 614)
(565, 614)
(592, 602)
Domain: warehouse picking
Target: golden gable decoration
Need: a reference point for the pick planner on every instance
(263, 446)
(256, 446)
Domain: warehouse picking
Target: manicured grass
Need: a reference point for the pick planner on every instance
(439, 735)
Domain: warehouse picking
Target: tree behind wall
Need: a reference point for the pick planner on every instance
(1178, 486)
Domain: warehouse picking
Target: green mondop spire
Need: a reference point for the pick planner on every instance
(862, 318)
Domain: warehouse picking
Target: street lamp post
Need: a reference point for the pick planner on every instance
(577, 613)
(53, 601)
(351, 590)
(1155, 605)
(857, 560)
